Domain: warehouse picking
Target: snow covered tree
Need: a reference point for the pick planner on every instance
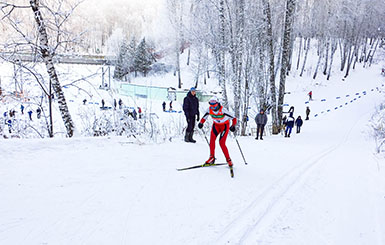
(287, 39)
(122, 62)
(144, 58)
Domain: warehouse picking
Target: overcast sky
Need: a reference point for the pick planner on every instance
(152, 13)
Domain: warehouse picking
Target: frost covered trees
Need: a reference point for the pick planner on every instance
(133, 58)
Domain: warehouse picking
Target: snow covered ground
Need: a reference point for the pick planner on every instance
(322, 186)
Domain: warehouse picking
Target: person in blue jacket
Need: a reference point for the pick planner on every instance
(298, 123)
(191, 111)
(289, 125)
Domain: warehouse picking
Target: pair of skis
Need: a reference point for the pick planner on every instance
(210, 165)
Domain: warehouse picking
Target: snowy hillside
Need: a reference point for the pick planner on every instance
(322, 186)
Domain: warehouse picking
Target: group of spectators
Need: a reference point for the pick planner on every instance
(10, 116)
(288, 123)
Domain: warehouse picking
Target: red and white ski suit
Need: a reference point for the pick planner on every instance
(221, 127)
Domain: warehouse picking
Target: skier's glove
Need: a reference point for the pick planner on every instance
(232, 128)
(200, 125)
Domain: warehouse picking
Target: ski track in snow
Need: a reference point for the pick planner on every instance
(262, 211)
(261, 206)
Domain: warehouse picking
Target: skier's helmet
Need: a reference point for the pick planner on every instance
(214, 104)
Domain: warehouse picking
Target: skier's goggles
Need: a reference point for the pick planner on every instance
(213, 102)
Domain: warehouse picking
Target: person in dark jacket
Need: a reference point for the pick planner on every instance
(164, 105)
(298, 123)
(38, 112)
(191, 109)
(260, 120)
(289, 125)
(307, 113)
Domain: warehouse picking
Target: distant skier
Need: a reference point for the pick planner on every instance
(221, 126)
(307, 113)
(22, 109)
(298, 123)
(289, 125)
(103, 103)
(84, 101)
(310, 95)
(115, 104)
(260, 120)
(191, 111)
(120, 103)
(170, 105)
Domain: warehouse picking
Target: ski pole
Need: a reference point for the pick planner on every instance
(205, 137)
(240, 150)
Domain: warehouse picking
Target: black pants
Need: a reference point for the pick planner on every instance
(298, 129)
(260, 127)
(190, 124)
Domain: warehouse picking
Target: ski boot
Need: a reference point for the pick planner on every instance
(230, 163)
(210, 161)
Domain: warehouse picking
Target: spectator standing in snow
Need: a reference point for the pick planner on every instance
(30, 115)
(289, 125)
(22, 109)
(307, 113)
(120, 103)
(84, 101)
(164, 105)
(134, 114)
(9, 123)
(38, 112)
(221, 126)
(191, 111)
(260, 120)
(103, 103)
(115, 104)
(170, 105)
(298, 123)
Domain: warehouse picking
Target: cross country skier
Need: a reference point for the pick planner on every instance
(221, 126)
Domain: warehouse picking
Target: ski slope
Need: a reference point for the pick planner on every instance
(322, 186)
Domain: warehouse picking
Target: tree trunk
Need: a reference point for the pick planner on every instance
(270, 46)
(305, 58)
(326, 56)
(299, 52)
(47, 57)
(320, 54)
(334, 48)
(222, 53)
(290, 9)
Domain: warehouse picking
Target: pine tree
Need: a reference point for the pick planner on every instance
(143, 59)
(122, 63)
(131, 53)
